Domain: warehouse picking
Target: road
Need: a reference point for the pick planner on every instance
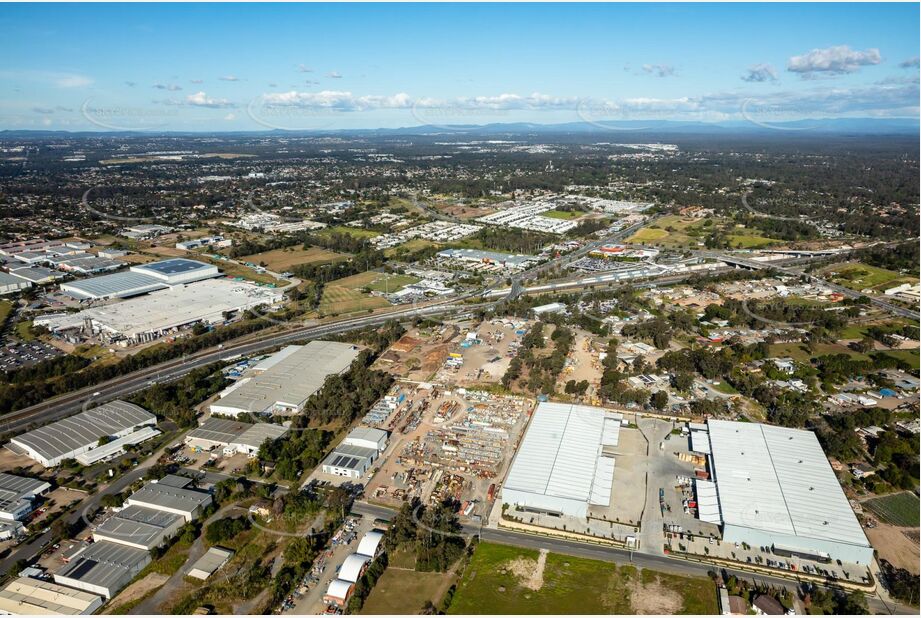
(664, 563)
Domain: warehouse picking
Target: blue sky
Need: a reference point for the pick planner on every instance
(257, 66)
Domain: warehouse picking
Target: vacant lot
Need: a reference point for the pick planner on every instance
(909, 356)
(510, 580)
(357, 232)
(562, 214)
(347, 295)
(799, 353)
(402, 591)
(859, 276)
(897, 509)
(281, 260)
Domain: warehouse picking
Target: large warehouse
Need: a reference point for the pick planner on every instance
(775, 488)
(165, 311)
(103, 568)
(17, 495)
(26, 596)
(564, 464)
(287, 380)
(70, 437)
(141, 279)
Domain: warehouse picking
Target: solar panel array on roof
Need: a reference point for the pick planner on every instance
(63, 439)
(174, 267)
(105, 566)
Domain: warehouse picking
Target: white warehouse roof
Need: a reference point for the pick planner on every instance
(26, 597)
(778, 481)
(352, 567)
(561, 464)
(370, 542)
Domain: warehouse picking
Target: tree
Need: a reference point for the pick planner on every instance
(659, 400)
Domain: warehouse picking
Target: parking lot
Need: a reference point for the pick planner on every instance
(18, 354)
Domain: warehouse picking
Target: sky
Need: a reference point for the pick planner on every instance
(230, 67)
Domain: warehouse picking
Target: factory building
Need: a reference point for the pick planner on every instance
(139, 527)
(355, 454)
(171, 494)
(10, 284)
(141, 279)
(25, 596)
(166, 310)
(17, 495)
(103, 568)
(78, 434)
(233, 436)
(285, 381)
(564, 464)
(775, 488)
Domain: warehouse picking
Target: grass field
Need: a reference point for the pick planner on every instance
(345, 295)
(562, 214)
(399, 591)
(897, 509)
(749, 239)
(24, 330)
(909, 356)
(495, 583)
(6, 308)
(281, 260)
(797, 351)
(357, 232)
(647, 234)
(859, 276)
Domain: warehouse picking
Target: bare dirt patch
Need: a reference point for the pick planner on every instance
(896, 545)
(653, 598)
(138, 590)
(530, 573)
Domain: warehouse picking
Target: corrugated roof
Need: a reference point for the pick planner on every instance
(105, 564)
(352, 567)
(116, 285)
(27, 596)
(67, 435)
(178, 498)
(220, 430)
(294, 378)
(561, 452)
(778, 480)
(213, 559)
(137, 524)
(259, 433)
(14, 489)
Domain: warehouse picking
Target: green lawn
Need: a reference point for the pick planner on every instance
(899, 509)
(749, 239)
(6, 308)
(798, 352)
(859, 276)
(492, 584)
(405, 592)
(562, 214)
(909, 356)
(351, 231)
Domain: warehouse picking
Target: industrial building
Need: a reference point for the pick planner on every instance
(355, 454)
(285, 381)
(171, 494)
(233, 436)
(141, 279)
(213, 560)
(564, 464)
(370, 543)
(775, 488)
(17, 495)
(506, 261)
(103, 568)
(25, 596)
(10, 284)
(139, 527)
(164, 311)
(37, 274)
(78, 434)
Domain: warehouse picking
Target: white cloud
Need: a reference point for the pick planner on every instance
(760, 73)
(659, 70)
(334, 75)
(200, 99)
(169, 87)
(229, 78)
(73, 81)
(230, 116)
(303, 68)
(911, 63)
(196, 81)
(43, 110)
(835, 60)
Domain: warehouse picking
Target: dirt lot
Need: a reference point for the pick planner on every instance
(487, 358)
(418, 354)
(137, 590)
(894, 545)
(463, 211)
(582, 364)
(281, 260)
(10, 461)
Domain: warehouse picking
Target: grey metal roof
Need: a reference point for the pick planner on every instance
(778, 480)
(35, 273)
(293, 379)
(105, 564)
(367, 433)
(14, 489)
(6, 279)
(220, 430)
(561, 453)
(116, 285)
(349, 456)
(165, 496)
(65, 436)
(212, 560)
(259, 433)
(137, 524)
